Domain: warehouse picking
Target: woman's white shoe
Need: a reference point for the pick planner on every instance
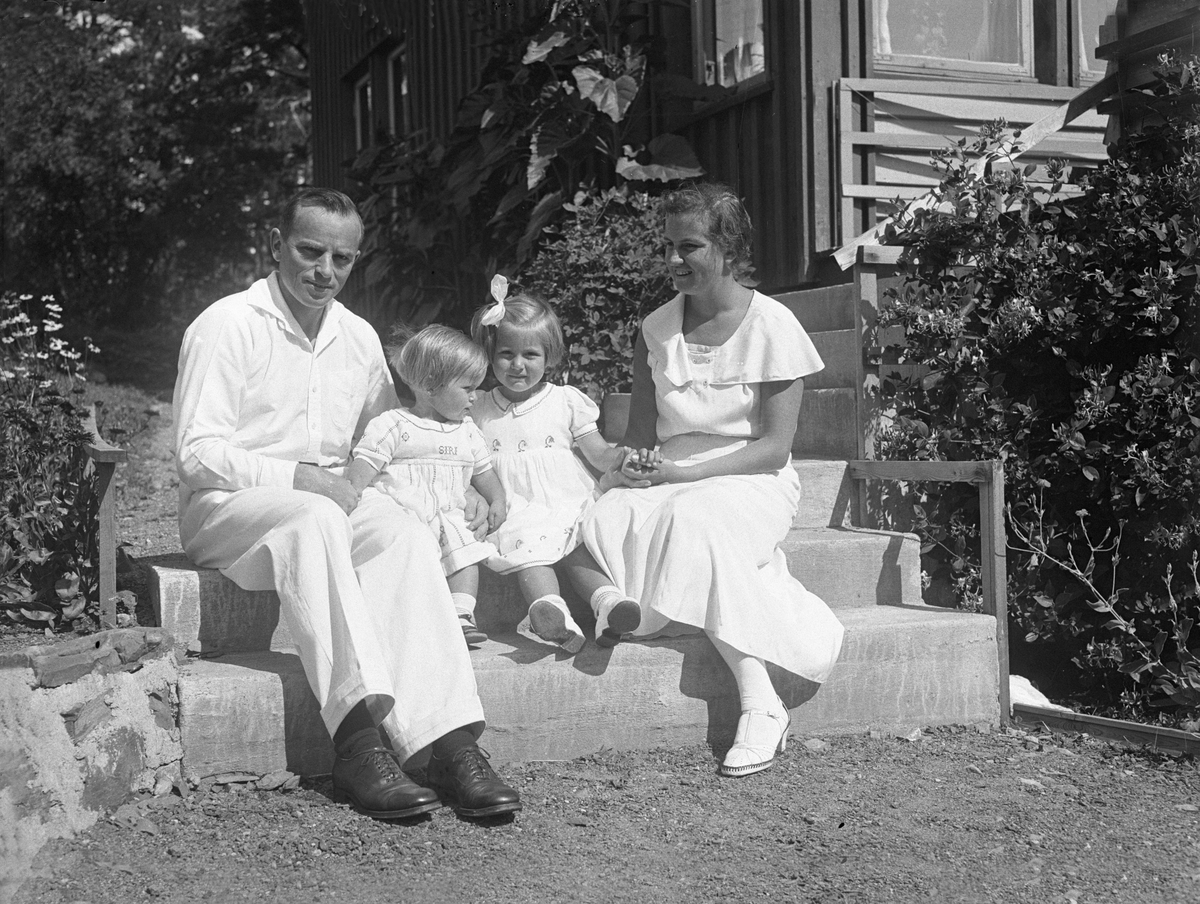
(760, 736)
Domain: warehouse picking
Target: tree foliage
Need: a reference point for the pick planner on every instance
(1059, 334)
(141, 143)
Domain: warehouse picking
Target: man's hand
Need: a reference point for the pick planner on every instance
(312, 479)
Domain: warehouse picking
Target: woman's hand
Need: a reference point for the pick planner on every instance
(637, 463)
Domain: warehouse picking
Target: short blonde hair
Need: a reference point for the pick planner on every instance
(434, 357)
(529, 314)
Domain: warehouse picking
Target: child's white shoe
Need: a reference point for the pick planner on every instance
(550, 619)
(617, 616)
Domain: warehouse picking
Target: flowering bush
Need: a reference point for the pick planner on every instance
(1059, 335)
(48, 502)
(602, 268)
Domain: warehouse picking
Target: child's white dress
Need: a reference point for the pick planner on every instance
(705, 554)
(547, 485)
(426, 466)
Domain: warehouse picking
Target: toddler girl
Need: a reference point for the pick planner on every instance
(531, 428)
(424, 456)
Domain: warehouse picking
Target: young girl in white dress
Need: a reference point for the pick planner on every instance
(426, 455)
(532, 428)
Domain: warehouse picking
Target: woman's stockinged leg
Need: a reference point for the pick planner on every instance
(764, 723)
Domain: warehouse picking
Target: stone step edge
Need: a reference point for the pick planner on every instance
(273, 723)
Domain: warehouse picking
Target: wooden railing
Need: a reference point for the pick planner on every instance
(989, 477)
(104, 458)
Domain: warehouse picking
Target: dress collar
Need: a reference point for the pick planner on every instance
(518, 408)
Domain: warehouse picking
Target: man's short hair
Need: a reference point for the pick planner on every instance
(328, 199)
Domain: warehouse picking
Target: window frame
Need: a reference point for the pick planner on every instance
(704, 37)
(1080, 74)
(399, 113)
(946, 67)
(364, 131)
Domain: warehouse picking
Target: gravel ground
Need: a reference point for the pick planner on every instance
(943, 815)
(951, 815)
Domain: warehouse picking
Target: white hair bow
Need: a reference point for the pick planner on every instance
(495, 314)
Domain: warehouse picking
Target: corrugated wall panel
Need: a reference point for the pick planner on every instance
(444, 60)
(763, 147)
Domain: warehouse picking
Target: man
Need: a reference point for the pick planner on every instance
(275, 384)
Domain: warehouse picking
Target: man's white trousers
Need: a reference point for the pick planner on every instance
(364, 597)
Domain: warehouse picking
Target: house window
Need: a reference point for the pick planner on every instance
(362, 112)
(399, 119)
(967, 37)
(729, 43)
(1087, 19)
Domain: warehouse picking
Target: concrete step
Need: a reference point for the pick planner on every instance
(901, 668)
(836, 348)
(828, 426)
(824, 308)
(846, 568)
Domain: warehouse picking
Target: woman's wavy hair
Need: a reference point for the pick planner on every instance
(529, 314)
(434, 357)
(728, 224)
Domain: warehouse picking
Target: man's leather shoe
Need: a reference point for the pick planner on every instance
(368, 777)
(467, 781)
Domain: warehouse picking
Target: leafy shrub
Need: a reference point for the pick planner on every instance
(602, 268)
(1059, 334)
(48, 501)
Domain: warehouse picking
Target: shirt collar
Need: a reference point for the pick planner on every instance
(267, 295)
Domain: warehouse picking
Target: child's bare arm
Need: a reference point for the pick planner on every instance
(602, 455)
(489, 487)
(360, 473)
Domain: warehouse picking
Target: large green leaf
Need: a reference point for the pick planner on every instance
(612, 97)
(671, 158)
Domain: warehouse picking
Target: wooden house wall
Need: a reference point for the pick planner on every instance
(776, 146)
(444, 57)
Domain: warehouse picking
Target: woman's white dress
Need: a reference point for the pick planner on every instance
(706, 554)
(547, 486)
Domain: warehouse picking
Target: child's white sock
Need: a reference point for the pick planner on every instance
(464, 603)
(616, 615)
(604, 597)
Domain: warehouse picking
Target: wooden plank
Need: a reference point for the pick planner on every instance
(98, 449)
(880, 254)
(944, 471)
(1026, 90)
(1154, 736)
(1036, 132)
(994, 570)
(846, 159)
(1080, 148)
(1163, 33)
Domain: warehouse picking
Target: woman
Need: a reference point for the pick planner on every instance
(707, 490)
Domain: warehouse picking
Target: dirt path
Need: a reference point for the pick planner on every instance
(951, 815)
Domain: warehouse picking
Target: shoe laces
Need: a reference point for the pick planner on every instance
(475, 759)
(385, 761)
